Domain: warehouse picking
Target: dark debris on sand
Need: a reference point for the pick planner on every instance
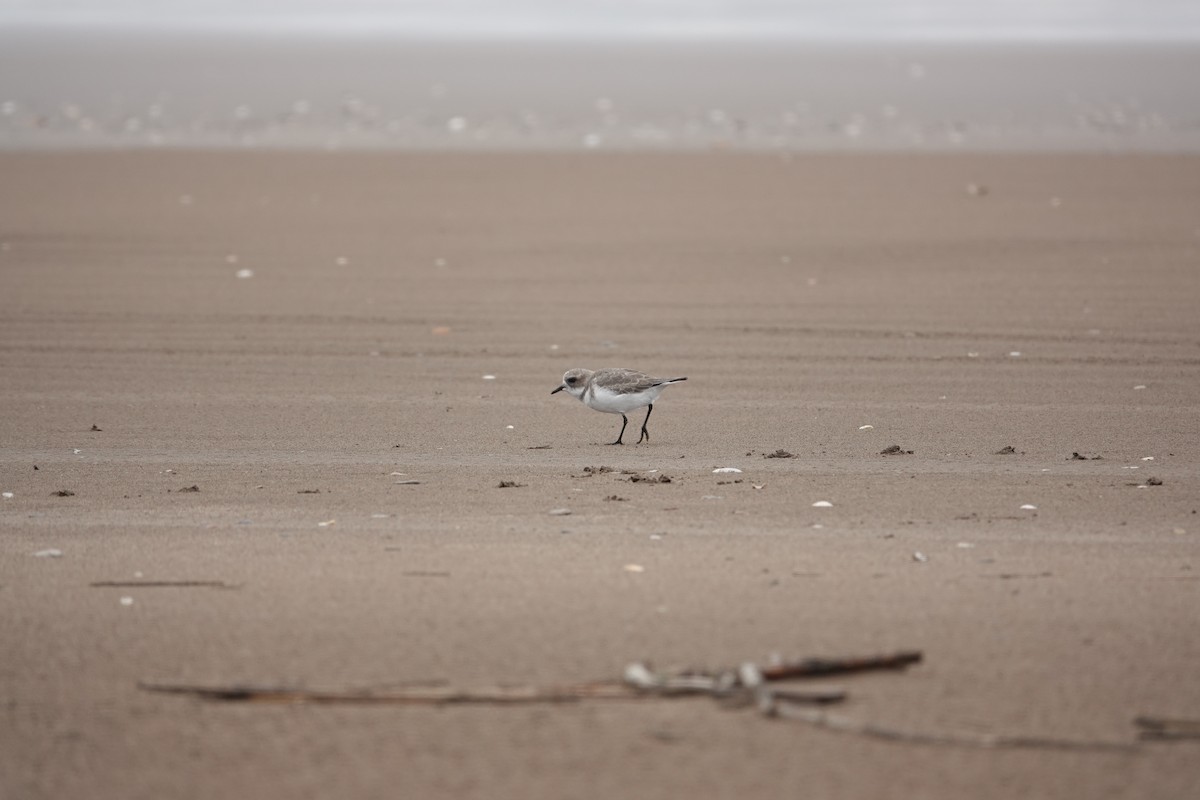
(591, 472)
(779, 454)
(895, 450)
(649, 478)
(1078, 457)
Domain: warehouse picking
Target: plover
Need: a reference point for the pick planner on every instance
(615, 391)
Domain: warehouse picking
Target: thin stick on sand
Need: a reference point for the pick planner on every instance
(842, 724)
(494, 695)
(639, 681)
(748, 684)
(162, 585)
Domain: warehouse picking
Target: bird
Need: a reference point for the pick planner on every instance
(615, 391)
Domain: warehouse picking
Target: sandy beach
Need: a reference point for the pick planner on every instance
(238, 364)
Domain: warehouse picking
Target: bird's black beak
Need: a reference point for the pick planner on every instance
(559, 389)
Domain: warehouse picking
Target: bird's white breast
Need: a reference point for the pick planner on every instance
(602, 399)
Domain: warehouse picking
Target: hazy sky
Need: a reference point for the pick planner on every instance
(1020, 19)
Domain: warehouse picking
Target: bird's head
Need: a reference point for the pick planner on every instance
(574, 382)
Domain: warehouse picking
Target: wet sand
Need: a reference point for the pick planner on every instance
(957, 305)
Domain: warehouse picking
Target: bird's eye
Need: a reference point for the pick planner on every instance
(571, 380)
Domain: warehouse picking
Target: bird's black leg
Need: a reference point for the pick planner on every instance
(645, 433)
(624, 422)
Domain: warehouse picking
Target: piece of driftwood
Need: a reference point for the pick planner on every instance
(1167, 729)
(824, 667)
(745, 685)
(639, 682)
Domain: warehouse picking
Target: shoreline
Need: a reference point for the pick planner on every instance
(335, 94)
